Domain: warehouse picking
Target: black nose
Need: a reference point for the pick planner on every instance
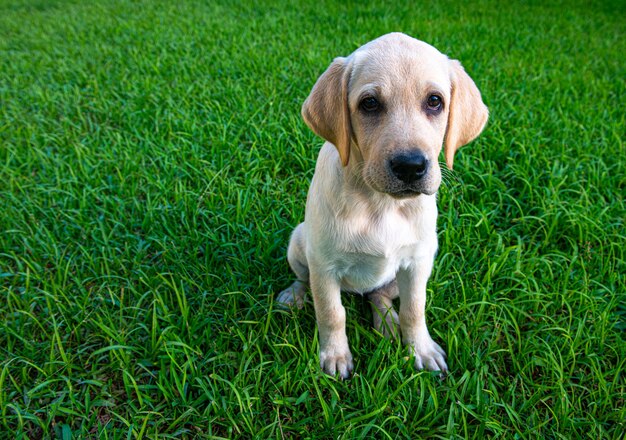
(409, 167)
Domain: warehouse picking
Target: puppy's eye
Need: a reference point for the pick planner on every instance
(434, 102)
(370, 105)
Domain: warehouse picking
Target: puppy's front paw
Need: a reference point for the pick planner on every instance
(429, 355)
(335, 360)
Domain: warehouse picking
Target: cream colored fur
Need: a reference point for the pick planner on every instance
(365, 230)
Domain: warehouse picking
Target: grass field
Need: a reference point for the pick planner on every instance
(153, 163)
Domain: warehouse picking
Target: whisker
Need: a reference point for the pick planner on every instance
(448, 176)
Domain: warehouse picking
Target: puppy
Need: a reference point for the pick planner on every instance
(371, 212)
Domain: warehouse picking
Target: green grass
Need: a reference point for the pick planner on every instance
(153, 163)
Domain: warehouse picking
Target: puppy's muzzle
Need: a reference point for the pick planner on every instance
(409, 168)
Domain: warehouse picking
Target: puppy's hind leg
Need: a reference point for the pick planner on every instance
(384, 317)
(296, 293)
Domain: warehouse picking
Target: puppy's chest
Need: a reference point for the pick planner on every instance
(382, 237)
(372, 250)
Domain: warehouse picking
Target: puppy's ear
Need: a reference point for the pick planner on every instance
(326, 109)
(468, 114)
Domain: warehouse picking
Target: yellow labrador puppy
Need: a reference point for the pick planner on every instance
(371, 212)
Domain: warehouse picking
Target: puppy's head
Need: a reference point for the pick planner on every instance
(389, 106)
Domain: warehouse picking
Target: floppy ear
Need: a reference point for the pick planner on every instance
(468, 114)
(326, 109)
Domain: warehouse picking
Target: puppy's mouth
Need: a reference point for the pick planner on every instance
(406, 193)
(402, 191)
(389, 184)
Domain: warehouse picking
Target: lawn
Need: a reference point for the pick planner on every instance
(153, 163)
